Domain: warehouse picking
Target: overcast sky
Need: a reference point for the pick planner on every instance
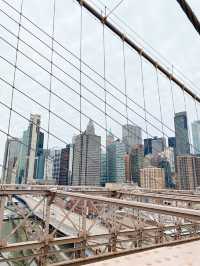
(160, 23)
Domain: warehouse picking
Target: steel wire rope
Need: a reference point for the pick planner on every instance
(180, 71)
(84, 87)
(80, 101)
(105, 93)
(171, 89)
(70, 87)
(61, 118)
(160, 105)
(83, 63)
(143, 93)
(77, 81)
(50, 84)
(191, 147)
(14, 75)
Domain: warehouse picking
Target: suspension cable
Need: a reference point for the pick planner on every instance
(14, 81)
(82, 71)
(105, 90)
(50, 87)
(143, 94)
(190, 14)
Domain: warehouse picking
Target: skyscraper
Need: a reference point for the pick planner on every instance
(172, 142)
(181, 132)
(158, 145)
(131, 135)
(31, 152)
(154, 145)
(137, 158)
(152, 178)
(147, 146)
(64, 178)
(104, 178)
(188, 171)
(62, 161)
(196, 136)
(116, 161)
(11, 160)
(109, 138)
(86, 164)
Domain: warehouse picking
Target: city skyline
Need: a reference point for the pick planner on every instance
(123, 159)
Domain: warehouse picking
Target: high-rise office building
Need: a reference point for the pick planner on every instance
(11, 160)
(55, 155)
(131, 135)
(158, 145)
(127, 161)
(154, 145)
(62, 161)
(31, 152)
(87, 152)
(116, 161)
(165, 165)
(169, 155)
(109, 138)
(104, 177)
(137, 158)
(152, 178)
(64, 178)
(181, 132)
(172, 142)
(188, 171)
(147, 146)
(196, 136)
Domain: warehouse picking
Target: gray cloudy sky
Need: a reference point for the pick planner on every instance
(160, 22)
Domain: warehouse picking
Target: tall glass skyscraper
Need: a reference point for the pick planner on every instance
(181, 132)
(31, 152)
(131, 135)
(154, 145)
(116, 162)
(196, 136)
(87, 158)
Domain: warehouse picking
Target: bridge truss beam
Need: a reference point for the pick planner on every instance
(95, 226)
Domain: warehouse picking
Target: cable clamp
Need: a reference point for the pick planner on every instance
(123, 37)
(103, 20)
(141, 51)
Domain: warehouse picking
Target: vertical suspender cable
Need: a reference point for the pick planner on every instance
(171, 88)
(126, 107)
(80, 99)
(50, 89)
(14, 80)
(105, 92)
(160, 105)
(143, 94)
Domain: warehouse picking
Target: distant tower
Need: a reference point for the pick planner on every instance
(87, 152)
(196, 136)
(31, 151)
(11, 160)
(137, 158)
(188, 171)
(116, 161)
(109, 138)
(154, 145)
(152, 178)
(181, 132)
(131, 135)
